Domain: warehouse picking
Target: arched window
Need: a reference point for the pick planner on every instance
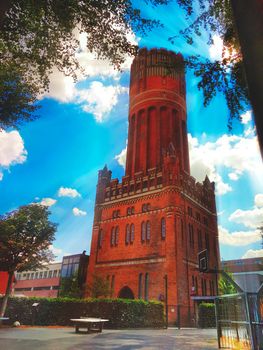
(116, 235)
(148, 230)
(132, 210)
(140, 286)
(112, 240)
(163, 228)
(146, 288)
(100, 239)
(127, 237)
(132, 233)
(143, 232)
(129, 211)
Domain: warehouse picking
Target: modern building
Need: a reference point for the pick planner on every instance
(40, 283)
(150, 226)
(247, 273)
(46, 282)
(76, 265)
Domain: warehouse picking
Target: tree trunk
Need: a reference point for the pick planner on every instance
(249, 24)
(7, 293)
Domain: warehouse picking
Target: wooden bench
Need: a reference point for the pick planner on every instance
(92, 324)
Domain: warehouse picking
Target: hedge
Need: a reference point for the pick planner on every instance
(122, 313)
(206, 315)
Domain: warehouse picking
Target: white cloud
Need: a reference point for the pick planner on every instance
(68, 192)
(12, 150)
(217, 51)
(54, 250)
(246, 117)
(121, 157)
(48, 202)
(259, 200)
(99, 99)
(229, 152)
(238, 238)
(233, 176)
(249, 218)
(78, 212)
(251, 253)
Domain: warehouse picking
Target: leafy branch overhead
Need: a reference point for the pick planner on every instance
(38, 36)
(225, 75)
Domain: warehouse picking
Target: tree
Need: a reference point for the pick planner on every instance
(40, 35)
(238, 75)
(225, 286)
(69, 287)
(100, 287)
(25, 237)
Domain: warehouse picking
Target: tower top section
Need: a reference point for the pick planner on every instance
(157, 111)
(168, 62)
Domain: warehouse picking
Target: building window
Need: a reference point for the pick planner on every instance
(191, 235)
(116, 235)
(198, 217)
(163, 228)
(112, 238)
(129, 211)
(200, 245)
(49, 274)
(127, 236)
(148, 230)
(143, 232)
(144, 208)
(182, 229)
(190, 211)
(100, 238)
(146, 288)
(207, 241)
(41, 274)
(140, 286)
(54, 274)
(36, 275)
(112, 284)
(132, 233)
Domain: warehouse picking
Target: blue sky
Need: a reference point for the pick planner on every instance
(55, 159)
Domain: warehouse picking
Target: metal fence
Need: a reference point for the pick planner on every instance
(239, 321)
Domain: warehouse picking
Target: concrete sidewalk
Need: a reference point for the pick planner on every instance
(141, 339)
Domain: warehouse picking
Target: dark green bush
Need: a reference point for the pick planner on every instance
(206, 315)
(122, 313)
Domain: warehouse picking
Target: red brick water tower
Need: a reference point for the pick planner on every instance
(149, 228)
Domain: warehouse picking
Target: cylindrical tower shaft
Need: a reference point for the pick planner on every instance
(157, 112)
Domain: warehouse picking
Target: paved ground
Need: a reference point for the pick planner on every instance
(66, 339)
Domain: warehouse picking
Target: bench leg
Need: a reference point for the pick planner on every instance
(77, 329)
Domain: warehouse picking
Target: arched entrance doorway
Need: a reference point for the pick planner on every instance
(126, 293)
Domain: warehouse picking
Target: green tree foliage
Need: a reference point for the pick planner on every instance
(225, 286)
(100, 287)
(25, 237)
(70, 288)
(38, 36)
(226, 75)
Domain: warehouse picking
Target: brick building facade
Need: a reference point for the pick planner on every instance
(149, 228)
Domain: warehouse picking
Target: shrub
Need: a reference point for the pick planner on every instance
(122, 313)
(206, 317)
